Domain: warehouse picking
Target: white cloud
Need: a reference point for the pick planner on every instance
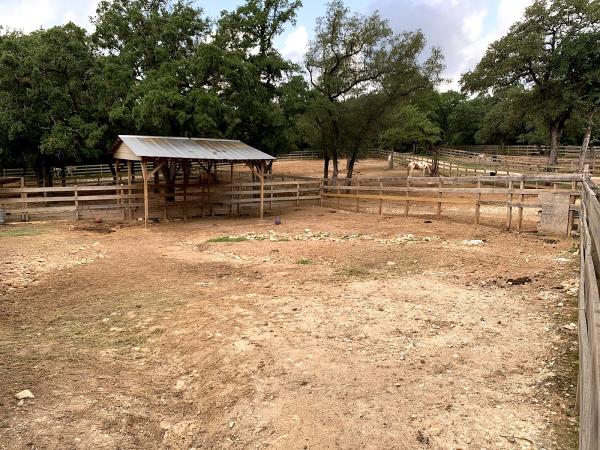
(462, 28)
(295, 44)
(29, 15)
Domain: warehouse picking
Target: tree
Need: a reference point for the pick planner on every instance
(48, 112)
(410, 126)
(583, 67)
(532, 55)
(265, 96)
(145, 50)
(353, 55)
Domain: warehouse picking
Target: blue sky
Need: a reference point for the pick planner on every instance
(462, 28)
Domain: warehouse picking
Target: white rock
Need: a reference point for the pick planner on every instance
(24, 394)
(180, 385)
(473, 242)
(391, 263)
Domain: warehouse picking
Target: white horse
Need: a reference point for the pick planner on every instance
(423, 167)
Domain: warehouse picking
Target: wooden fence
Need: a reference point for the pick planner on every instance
(78, 174)
(515, 193)
(20, 203)
(453, 162)
(564, 151)
(589, 322)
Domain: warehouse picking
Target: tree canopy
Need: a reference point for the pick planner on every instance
(162, 67)
(536, 55)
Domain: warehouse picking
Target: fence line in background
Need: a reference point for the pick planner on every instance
(456, 162)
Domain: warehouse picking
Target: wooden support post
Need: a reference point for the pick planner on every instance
(129, 190)
(117, 172)
(165, 194)
(572, 200)
(122, 195)
(146, 176)
(231, 202)
(24, 214)
(145, 180)
(520, 213)
(75, 193)
(357, 196)
(321, 193)
(439, 205)
(509, 209)
(231, 174)
(262, 188)
(407, 207)
(380, 196)
(297, 194)
(271, 196)
(186, 176)
(478, 203)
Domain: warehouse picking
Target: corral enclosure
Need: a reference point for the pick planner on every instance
(377, 314)
(334, 329)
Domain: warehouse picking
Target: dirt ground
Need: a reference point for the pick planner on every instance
(331, 330)
(314, 168)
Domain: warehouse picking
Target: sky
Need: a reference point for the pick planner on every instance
(462, 28)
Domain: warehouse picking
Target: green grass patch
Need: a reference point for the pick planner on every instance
(228, 239)
(18, 232)
(304, 262)
(354, 271)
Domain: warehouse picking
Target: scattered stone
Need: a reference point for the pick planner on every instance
(21, 402)
(391, 263)
(473, 242)
(232, 424)
(24, 394)
(518, 281)
(571, 326)
(422, 438)
(180, 385)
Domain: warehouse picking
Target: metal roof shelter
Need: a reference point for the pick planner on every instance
(161, 150)
(138, 148)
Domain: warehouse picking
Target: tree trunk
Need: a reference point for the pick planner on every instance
(169, 174)
(555, 132)
(350, 166)
(326, 166)
(586, 142)
(336, 168)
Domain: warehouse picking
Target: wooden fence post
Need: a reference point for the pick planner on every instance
(380, 196)
(321, 184)
(520, 212)
(478, 202)
(407, 207)
(24, 214)
(357, 196)
(509, 210)
(439, 205)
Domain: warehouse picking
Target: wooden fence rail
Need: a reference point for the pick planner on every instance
(519, 192)
(20, 203)
(589, 322)
(452, 165)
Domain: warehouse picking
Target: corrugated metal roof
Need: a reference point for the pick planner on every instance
(192, 148)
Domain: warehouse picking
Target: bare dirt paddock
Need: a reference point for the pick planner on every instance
(338, 330)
